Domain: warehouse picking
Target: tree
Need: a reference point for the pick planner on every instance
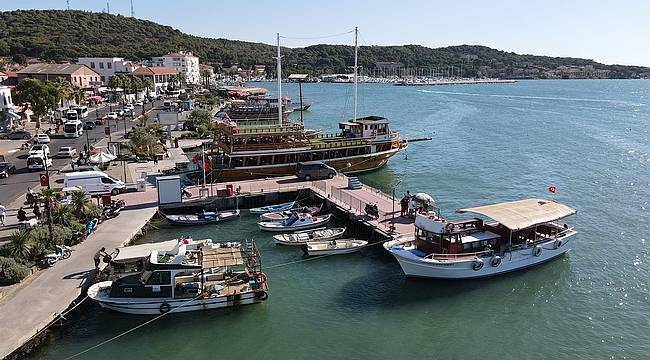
(48, 195)
(20, 244)
(62, 89)
(148, 84)
(81, 204)
(136, 84)
(64, 215)
(205, 75)
(39, 95)
(144, 141)
(78, 95)
(19, 59)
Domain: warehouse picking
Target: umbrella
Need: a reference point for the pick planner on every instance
(101, 158)
(423, 198)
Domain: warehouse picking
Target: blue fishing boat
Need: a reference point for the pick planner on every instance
(202, 218)
(272, 208)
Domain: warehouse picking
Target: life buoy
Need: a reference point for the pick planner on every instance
(537, 251)
(496, 261)
(251, 261)
(261, 295)
(260, 278)
(449, 227)
(477, 265)
(558, 243)
(164, 308)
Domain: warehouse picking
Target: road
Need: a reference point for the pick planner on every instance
(17, 184)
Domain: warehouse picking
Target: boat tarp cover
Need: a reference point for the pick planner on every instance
(521, 214)
(136, 252)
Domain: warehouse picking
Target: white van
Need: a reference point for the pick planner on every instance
(94, 182)
(38, 161)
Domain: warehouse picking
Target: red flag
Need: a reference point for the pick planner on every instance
(551, 189)
(206, 166)
(226, 117)
(195, 158)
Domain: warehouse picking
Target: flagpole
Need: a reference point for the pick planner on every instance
(203, 164)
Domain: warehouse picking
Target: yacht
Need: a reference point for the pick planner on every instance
(193, 276)
(524, 233)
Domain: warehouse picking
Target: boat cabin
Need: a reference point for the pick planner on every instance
(367, 127)
(519, 224)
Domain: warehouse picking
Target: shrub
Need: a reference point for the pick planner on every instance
(11, 272)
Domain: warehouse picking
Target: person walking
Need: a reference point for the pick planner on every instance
(3, 212)
(97, 258)
(37, 211)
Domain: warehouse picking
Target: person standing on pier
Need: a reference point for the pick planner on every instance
(98, 255)
(3, 211)
(404, 203)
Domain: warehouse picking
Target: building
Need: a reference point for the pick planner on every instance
(184, 62)
(259, 69)
(158, 74)
(76, 74)
(107, 66)
(7, 114)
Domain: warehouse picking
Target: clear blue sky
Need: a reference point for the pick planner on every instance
(612, 32)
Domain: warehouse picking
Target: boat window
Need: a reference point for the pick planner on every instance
(251, 161)
(159, 278)
(266, 160)
(306, 156)
(291, 158)
(279, 159)
(237, 161)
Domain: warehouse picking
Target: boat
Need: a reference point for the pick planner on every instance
(302, 237)
(333, 247)
(265, 147)
(208, 276)
(283, 215)
(202, 218)
(523, 233)
(272, 208)
(299, 221)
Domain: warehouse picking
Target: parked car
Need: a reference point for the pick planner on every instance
(111, 115)
(89, 125)
(7, 168)
(99, 121)
(128, 111)
(67, 152)
(17, 135)
(41, 139)
(119, 112)
(314, 171)
(38, 162)
(128, 106)
(94, 182)
(39, 149)
(138, 103)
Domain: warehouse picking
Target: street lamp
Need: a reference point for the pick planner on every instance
(392, 226)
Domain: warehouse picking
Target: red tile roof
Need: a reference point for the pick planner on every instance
(154, 70)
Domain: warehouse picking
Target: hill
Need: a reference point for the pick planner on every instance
(60, 35)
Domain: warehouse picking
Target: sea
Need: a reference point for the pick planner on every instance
(490, 143)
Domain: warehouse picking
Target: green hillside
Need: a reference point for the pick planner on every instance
(58, 35)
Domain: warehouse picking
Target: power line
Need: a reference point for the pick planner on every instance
(316, 37)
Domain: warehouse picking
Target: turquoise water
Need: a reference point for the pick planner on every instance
(490, 143)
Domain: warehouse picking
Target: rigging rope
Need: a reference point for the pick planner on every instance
(316, 37)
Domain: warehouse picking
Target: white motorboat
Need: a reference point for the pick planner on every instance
(333, 247)
(202, 218)
(198, 277)
(526, 233)
(302, 237)
(298, 221)
(283, 215)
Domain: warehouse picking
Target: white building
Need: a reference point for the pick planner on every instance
(184, 62)
(106, 66)
(7, 114)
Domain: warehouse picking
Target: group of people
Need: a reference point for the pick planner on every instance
(409, 206)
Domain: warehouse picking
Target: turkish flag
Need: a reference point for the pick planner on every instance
(206, 166)
(552, 189)
(45, 180)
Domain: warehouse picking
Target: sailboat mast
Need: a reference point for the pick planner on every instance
(279, 70)
(354, 98)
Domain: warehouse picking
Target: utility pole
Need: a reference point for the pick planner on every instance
(132, 12)
(68, 3)
(108, 7)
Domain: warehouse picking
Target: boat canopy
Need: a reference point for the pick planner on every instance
(212, 258)
(521, 214)
(128, 254)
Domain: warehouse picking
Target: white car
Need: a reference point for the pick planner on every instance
(138, 103)
(41, 149)
(120, 112)
(41, 139)
(67, 152)
(111, 115)
(128, 106)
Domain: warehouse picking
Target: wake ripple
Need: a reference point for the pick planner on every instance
(610, 101)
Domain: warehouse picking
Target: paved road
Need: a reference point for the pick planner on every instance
(16, 185)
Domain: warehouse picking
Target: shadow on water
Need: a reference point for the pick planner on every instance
(386, 286)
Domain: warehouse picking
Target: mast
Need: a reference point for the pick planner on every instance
(279, 70)
(354, 98)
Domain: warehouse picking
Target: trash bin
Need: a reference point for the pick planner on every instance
(141, 185)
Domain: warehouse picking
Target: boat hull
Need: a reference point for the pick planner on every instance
(278, 227)
(416, 266)
(357, 165)
(280, 239)
(272, 208)
(154, 306)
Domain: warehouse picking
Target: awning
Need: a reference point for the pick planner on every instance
(10, 114)
(521, 214)
(137, 252)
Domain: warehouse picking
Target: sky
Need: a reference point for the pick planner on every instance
(611, 32)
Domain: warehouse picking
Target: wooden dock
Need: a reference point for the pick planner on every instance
(336, 195)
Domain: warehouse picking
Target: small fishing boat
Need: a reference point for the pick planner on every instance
(283, 215)
(272, 208)
(333, 247)
(202, 218)
(302, 237)
(207, 276)
(298, 221)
